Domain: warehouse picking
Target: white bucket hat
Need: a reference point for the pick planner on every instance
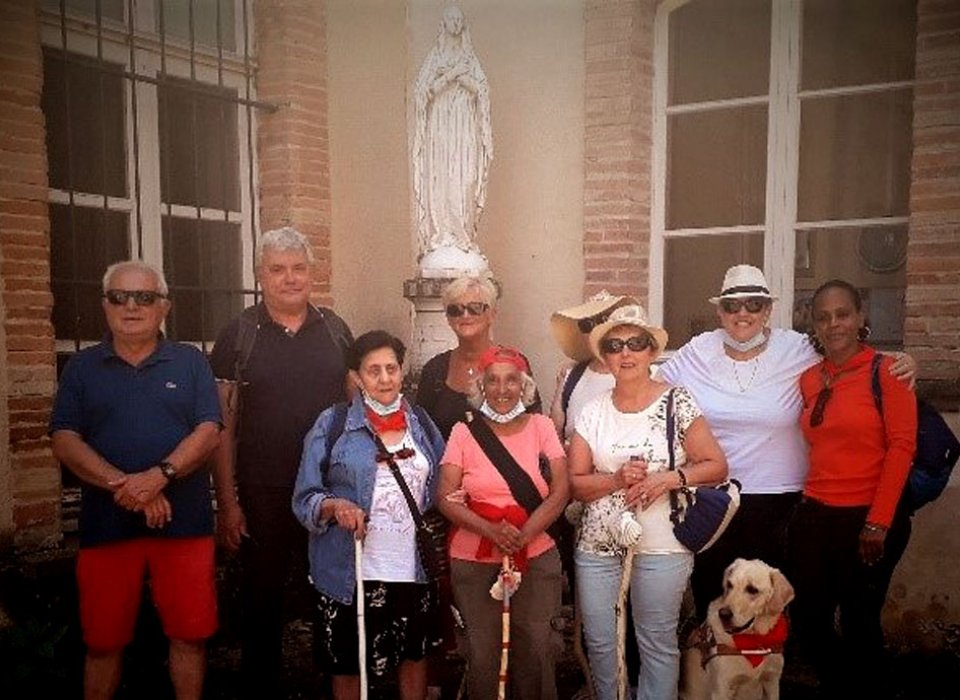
(742, 282)
(572, 326)
(632, 315)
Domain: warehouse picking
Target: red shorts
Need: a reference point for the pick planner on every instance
(181, 578)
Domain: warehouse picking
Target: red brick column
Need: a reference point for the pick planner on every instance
(294, 156)
(932, 327)
(617, 145)
(30, 373)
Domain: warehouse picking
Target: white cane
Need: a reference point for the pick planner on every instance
(361, 624)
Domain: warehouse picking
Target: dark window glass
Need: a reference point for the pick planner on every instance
(176, 22)
(202, 261)
(83, 105)
(717, 167)
(82, 245)
(109, 9)
(693, 272)
(714, 58)
(199, 157)
(857, 42)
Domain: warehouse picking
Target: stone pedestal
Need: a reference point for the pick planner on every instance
(431, 332)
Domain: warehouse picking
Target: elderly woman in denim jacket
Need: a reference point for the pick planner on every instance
(344, 491)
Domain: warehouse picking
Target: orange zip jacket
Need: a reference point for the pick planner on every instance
(858, 458)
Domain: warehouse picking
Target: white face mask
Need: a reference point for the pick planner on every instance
(379, 408)
(487, 410)
(747, 345)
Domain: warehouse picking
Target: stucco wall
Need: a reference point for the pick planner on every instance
(532, 53)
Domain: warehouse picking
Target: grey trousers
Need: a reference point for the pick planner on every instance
(533, 640)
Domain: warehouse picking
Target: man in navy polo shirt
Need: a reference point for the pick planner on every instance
(278, 365)
(135, 418)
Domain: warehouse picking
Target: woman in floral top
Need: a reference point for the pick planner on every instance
(619, 459)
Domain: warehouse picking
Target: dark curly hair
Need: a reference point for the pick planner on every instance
(374, 340)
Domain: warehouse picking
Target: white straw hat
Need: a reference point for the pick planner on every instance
(633, 315)
(743, 281)
(572, 326)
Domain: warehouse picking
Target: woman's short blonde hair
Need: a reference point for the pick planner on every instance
(460, 286)
(528, 394)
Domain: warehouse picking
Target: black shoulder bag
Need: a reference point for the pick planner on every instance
(522, 488)
(431, 526)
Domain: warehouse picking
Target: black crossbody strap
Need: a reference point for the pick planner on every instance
(675, 510)
(395, 470)
(522, 488)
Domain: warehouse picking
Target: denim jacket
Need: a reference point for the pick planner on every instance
(349, 472)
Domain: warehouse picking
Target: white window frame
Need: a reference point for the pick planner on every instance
(783, 158)
(81, 38)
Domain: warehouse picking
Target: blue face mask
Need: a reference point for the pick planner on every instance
(747, 345)
(487, 410)
(379, 408)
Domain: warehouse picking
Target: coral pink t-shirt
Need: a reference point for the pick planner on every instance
(484, 484)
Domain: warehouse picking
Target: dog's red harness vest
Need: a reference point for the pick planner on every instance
(753, 647)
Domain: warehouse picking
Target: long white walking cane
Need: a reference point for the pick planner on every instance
(361, 624)
(506, 571)
(622, 681)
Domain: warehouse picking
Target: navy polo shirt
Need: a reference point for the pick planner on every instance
(134, 417)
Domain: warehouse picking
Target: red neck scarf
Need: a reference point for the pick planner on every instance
(772, 640)
(515, 515)
(392, 422)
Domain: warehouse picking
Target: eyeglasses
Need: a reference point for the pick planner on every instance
(635, 343)
(473, 308)
(752, 304)
(141, 297)
(816, 415)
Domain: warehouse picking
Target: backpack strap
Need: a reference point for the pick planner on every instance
(338, 329)
(247, 329)
(336, 426)
(875, 382)
(573, 376)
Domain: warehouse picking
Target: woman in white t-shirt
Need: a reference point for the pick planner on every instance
(745, 377)
(618, 457)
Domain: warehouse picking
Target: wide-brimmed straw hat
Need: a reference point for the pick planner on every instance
(743, 281)
(572, 326)
(632, 315)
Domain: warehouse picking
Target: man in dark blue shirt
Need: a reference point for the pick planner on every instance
(135, 418)
(278, 365)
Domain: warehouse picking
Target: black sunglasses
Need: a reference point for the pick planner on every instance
(635, 343)
(752, 304)
(141, 297)
(816, 415)
(590, 322)
(474, 308)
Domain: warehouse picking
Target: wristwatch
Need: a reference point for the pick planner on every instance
(168, 471)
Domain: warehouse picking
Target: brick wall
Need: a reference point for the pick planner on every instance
(932, 332)
(293, 151)
(33, 477)
(617, 145)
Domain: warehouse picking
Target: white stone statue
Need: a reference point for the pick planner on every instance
(452, 150)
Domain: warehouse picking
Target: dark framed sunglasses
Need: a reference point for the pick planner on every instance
(635, 343)
(752, 304)
(590, 322)
(474, 308)
(816, 415)
(141, 297)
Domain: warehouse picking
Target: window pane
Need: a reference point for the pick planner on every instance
(872, 259)
(176, 22)
(202, 261)
(109, 9)
(857, 42)
(719, 49)
(717, 167)
(855, 156)
(693, 272)
(199, 160)
(83, 106)
(79, 255)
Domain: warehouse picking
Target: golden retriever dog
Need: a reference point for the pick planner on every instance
(738, 651)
